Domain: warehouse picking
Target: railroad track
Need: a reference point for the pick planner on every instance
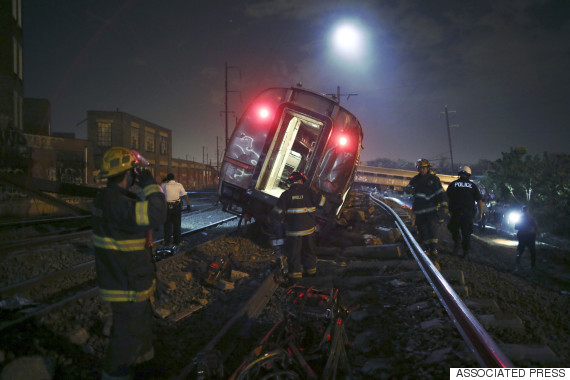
(390, 312)
(83, 275)
(27, 233)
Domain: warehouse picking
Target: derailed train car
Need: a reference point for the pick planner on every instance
(285, 130)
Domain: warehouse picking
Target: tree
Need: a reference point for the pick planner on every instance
(514, 176)
(553, 193)
(542, 183)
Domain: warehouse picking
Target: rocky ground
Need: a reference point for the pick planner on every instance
(70, 346)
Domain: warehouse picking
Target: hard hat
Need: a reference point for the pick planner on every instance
(118, 159)
(422, 163)
(465, 170)
(295, 176)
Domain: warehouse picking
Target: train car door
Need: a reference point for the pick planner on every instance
(292, 149)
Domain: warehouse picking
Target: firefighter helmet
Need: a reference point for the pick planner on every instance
(118, 159)
(296, 176)
(464, 170)
(422, 163)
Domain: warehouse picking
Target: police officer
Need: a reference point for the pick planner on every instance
(174, 191)
(296, 207)
(125, 271)
(463, 195)
(430, 203)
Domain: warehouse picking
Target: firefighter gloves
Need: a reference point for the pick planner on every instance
(145, 178)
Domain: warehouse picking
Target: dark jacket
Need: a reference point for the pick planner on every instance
(297, 206)
(428, 193)
(125, 271)
(463, 195)
(526, 226)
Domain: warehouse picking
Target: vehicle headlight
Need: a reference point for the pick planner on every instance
(514, 217)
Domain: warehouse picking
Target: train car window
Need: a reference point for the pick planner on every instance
(341, 155)
(313, 102)
(249, 137)
(292, 150)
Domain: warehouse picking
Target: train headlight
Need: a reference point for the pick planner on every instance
(514, 217)
(342, 141)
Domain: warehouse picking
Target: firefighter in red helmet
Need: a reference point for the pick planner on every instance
(125, 271)
(296, 208)
(430, 204)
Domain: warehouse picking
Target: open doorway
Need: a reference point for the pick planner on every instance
(292, 149)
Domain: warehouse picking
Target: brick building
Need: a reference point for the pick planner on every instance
(11, 65)
(154, 142)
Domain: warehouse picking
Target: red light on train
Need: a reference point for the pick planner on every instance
(263, 113)
(342, 141)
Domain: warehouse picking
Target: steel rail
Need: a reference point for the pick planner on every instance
(252, 308)
(83, 266)
(42, 239)
(481, 344)
(27, 222)
(12, 289)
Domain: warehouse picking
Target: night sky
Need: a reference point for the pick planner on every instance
(503, 66)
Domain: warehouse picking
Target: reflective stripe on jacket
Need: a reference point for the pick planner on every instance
(125, 271)
(297, 206)
(428, 193)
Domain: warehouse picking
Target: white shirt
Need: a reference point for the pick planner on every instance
(173, 191)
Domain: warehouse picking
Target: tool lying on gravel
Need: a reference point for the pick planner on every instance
(218, 269)
(308, 343)
(164, 252)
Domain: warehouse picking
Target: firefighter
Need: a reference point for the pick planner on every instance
(125, 271)
(463, 196)
(296, 208)
(430, 204)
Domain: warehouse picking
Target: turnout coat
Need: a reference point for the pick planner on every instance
(125, 270)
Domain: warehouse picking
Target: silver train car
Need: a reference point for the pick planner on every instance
(285, 130)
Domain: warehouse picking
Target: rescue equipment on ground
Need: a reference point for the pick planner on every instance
(219, 269)
(164, 252)
(308, 343)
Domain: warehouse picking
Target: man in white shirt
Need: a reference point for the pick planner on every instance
(174, 191)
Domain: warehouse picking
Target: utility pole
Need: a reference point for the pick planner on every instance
(338, 95)
(449, 134)
(226, 96)
(217, 155)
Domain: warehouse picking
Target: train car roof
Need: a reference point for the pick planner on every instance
(320, 94)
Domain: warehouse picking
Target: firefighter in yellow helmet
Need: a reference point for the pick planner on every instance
(125, 271)
(430, 204)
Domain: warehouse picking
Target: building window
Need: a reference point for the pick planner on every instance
(149, 141)
(163, 146)
(104, 133)
(135, 136)
(17, 64)
(17, 11)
